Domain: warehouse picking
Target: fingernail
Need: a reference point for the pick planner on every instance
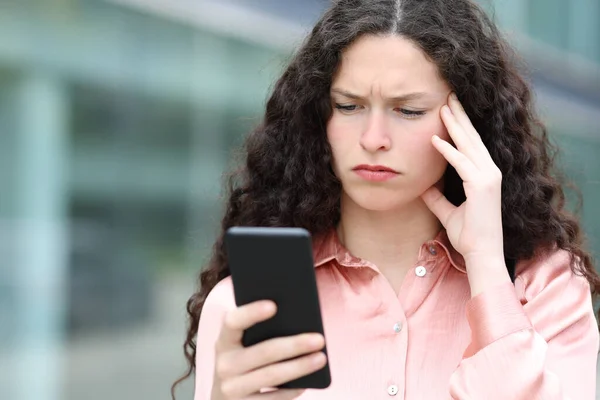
(268, 306)
(453, 96)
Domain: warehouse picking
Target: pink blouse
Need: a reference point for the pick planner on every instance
(537, 339)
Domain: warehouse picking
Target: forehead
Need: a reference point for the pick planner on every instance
(391, 63)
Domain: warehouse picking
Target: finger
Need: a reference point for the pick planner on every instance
(463, 165)
(272, 375)
(241, 318)
(460, 138)
(438, 204)
(481, 154)
(268, 352)
(463, 119)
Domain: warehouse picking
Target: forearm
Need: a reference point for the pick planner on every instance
(540, 344)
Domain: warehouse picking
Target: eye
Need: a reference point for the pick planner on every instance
(410, 113)
(347, 108)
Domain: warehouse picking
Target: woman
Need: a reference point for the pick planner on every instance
(403, 138)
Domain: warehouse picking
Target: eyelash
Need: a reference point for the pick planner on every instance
(405, 113)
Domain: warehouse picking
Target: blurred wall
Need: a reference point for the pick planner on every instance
(116, 126)
(117, 120)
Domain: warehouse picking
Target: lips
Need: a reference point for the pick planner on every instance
(374, 168)
(375, 173)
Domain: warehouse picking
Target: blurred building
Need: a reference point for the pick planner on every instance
(117, 121)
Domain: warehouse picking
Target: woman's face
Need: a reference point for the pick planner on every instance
(386, 99)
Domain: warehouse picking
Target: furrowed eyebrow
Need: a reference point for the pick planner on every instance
(403, 97)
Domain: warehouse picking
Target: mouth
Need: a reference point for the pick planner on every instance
(375, 173)
(375, 168)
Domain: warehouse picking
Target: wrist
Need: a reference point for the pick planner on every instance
(485, 272)
(485, 260)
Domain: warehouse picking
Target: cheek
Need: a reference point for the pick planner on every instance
(418, 147)
(339, 132)
(333, 132)
(342, 136)
(335, 137)
(418, 142)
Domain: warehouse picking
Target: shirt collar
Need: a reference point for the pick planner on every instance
(327, 247)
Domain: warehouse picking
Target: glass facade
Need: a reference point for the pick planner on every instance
(116, 126)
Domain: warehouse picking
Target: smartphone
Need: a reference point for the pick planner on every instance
(277, 264)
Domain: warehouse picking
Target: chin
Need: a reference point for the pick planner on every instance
(379, 199)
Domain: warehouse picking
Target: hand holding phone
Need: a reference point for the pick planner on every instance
(241, 372)
(275, 264)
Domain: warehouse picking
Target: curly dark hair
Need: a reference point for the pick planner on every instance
(287, 178)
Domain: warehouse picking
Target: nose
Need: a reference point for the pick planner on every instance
(376, 137)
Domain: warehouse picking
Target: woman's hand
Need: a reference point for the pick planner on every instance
(475, 227)
(241, 373)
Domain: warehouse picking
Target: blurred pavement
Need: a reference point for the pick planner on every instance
(107, 368)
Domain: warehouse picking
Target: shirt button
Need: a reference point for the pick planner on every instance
(397, 327)
(392, 390)
(420, 271)
(432, 250)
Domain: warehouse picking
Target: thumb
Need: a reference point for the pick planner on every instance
(435, 200)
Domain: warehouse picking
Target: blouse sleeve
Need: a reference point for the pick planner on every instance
(217, 303)
(536, 340)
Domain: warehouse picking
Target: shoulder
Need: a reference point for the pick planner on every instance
(554, 295)
(222, 293)
(220, 299)
(550, 268)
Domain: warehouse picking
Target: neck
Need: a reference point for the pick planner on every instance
(389, 239)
